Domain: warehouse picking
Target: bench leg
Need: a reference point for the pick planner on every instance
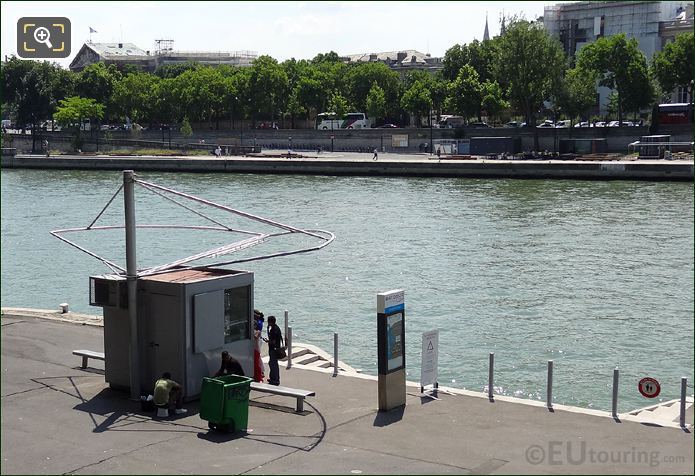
(84, 361)
(300, 404)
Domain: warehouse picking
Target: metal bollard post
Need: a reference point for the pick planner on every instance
(491, 371)
(684, 385)
(335, 354)
(616, 380)
(286, 321)
(288, 343)
(549, 397)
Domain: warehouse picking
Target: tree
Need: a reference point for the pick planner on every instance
(135, 96)
(338, 105)
(32, 90)
(330, 57)
(72, 112)
(268, 83)
(577, 94)
(532, 62)
(480, 55)
(186, 129)
(465, 93)
(376, 103)
(493, 101)
(619, 65)
(175, 69)
(418, 101)
(362, 77)
(673, 67)
(98, 81)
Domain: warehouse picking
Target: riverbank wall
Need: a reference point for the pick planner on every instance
(386, 140)
(362, 165)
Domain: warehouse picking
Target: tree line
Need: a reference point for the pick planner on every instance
(518, 73)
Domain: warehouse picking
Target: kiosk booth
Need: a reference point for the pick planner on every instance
(186, 318)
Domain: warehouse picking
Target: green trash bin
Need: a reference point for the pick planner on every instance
(224, 402)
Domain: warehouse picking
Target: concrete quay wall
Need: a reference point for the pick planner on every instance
(588, 170)
(617, 139)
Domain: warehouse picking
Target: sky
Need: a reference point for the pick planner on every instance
(282, 30)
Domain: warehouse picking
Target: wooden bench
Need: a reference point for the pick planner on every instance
(299, 394)
(88, 354)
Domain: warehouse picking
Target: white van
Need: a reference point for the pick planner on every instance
(449, 122)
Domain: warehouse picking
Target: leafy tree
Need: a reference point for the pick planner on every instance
(465, 93)
(268, 83)
(362, 77)
(98, 81)
(338, 105)
(480, 55)
(135, 96)
(619, 65)
(376, 103)
(532, 62)
(186, 129)
(175, 69)
(32, 89)
(493, 101)
(74, 110)
(417, 100)
(577, 94)
(673, 67)
(330, 57)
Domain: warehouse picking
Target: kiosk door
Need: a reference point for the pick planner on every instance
(164, 337)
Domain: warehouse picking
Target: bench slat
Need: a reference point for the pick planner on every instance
(89, 353)
(278, 390)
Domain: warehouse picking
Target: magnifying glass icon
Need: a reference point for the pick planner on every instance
(42, 35)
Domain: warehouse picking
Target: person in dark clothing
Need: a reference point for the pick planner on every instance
(229, 366)
(274, 342)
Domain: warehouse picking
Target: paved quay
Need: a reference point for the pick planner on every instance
(57, 418)
(388, 164)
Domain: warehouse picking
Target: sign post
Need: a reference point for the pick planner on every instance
(391, 348)
(429, 365)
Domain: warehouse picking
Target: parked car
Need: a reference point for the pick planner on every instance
(389, 126)
(546, 125)
(583, 124)
(513, 124)
(478, 125)
(599, 124)
(562, 124)
(615, 124)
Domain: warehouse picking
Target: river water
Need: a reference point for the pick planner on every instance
(592, 275)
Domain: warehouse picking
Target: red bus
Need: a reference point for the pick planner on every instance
(677, 113)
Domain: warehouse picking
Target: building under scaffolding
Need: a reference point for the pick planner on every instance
(121, 54)
(653, 24)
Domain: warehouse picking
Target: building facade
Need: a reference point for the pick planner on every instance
(402, 61)
(121, 54)
(653, 24)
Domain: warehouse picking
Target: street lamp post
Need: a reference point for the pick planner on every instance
(289, 147)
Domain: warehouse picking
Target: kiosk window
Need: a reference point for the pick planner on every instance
(236, 314)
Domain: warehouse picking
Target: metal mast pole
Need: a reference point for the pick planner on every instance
(131, 274)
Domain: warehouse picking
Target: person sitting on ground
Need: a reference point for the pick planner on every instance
(169, 394)
(229, 366)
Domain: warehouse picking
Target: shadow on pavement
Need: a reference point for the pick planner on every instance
(389, 417)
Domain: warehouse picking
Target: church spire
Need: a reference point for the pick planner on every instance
(486, 34)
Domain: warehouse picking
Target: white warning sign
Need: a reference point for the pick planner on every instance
(430, 354)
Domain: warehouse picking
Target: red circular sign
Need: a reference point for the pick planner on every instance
(649, 387)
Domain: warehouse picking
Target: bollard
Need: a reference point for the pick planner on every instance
(335, 354)
(549, 398)
(64, 308)
(616, 380)
(684, 385)
(491, 371)
(286, 321)
(288, 343)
